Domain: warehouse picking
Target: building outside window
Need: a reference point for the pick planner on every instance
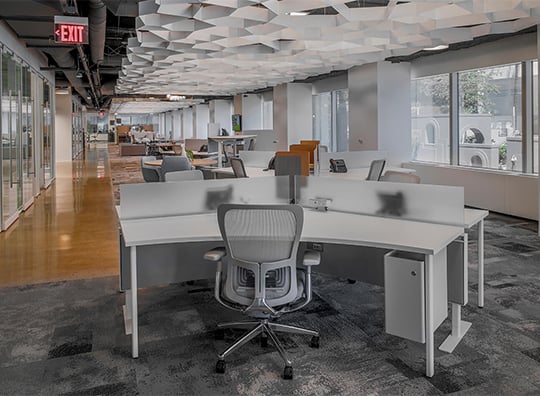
(430, 118)
(490, 117)
(489, 122)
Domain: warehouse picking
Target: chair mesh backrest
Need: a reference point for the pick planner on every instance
(194, 174)
(260, 235)
(238, 167)
(375, 169)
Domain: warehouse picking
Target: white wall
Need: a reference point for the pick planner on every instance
(187, 123)
(221, 113)
(293, 110)
(63, 133)
(394, 109)
(363, 119)
(380, 108)
(201, 118)
(516, 195)
(252, 111)
(509, 50)
(177, 124)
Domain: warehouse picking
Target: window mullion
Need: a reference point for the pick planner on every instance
(454, 118)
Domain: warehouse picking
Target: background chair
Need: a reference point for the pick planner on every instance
(299, 166)
(400, 177)
(262, 280)
(174, 176)
(174, 163)
(150, 173)
(238, 167)
(375, 169)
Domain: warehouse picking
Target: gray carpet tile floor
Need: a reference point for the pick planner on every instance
(67, 338)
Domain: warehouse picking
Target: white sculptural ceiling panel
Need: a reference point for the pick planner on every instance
(224, 47)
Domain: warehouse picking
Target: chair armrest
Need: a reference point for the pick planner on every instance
(311, 257)
(215, 254)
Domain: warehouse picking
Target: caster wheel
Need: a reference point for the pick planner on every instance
(314, 343)
(288, 372)
(219, 334)
(264, 340)
(220, 366)
(351, 281)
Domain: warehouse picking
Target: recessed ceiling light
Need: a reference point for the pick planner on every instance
(437, 48)
(298, 13)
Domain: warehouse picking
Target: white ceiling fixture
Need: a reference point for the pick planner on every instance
(147, 106)
(225, 47)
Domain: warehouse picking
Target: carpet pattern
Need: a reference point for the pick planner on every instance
(124, 170)
(67, 338)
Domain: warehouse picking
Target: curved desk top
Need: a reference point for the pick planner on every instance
(324, 227)
(194, 162)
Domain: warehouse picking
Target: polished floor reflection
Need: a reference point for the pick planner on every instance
(71, 230)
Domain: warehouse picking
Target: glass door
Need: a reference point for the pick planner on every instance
(47, 143)
(11, 140)
(28, 160)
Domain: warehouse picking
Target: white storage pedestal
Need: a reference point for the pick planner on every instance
(404, 294)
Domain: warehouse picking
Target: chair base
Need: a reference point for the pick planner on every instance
(265, 329)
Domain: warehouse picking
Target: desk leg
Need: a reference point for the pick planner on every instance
(459, 329)
(430, 339)
(220, 154)
(134, 310)
(481, 264)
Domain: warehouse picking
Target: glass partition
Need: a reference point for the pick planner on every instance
(151, 200)
(28, 130)
(419, 202)
(11, 139)
(47, 134)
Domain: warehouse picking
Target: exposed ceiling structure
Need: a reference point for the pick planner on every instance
(91, 69)
(224, 47)
(206, 48)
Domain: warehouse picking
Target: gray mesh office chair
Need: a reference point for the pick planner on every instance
(173, 163)
(376, 169)
(194, 174)
(262, 279)
(238, 167)
(400, 177)
(150, 173)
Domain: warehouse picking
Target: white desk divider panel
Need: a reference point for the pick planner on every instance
(256, 159)
(353, 159)
(418, 202)
(149, 200)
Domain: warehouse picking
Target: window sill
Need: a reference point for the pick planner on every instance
(473, 169)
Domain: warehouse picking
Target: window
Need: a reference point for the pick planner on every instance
(331, 119)
(490, 117)
(494, 121)
(430, 104)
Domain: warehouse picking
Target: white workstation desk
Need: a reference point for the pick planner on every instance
(325, 227)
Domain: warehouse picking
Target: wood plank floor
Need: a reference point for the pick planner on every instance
(71, 230)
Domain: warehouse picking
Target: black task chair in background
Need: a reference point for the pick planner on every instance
(376, 169)
(238, 167)
(174, 163)
(262, 280)
(150, 173)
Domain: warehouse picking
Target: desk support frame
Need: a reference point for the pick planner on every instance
(480, 248)
(131, 314)
(459, 327)
(430, 331)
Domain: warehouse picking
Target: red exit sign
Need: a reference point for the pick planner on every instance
(70, 30)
